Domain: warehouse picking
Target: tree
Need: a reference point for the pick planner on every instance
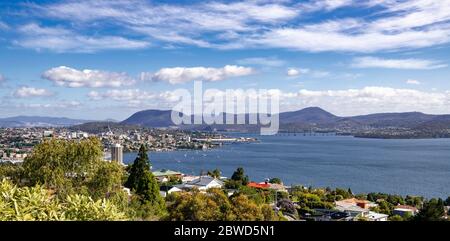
(246, 210)
(433, 210)
(197, 206)
(142, 181)
(215, 173)
(396, 218)
(138, 170)
(287, 206)
(65, 166)
(106, 180)
(240, 176)
(275, 180)
(148, 189)
(214, 205)
(447, 201)
(11, 171)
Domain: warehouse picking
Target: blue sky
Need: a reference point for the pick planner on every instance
(109, 59)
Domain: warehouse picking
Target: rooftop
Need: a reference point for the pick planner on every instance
(165, 172)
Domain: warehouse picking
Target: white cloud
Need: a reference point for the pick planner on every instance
(292, 72)
(371, 99)
(58, 105)
(136, 97)
(62, 40)
(374, 62)
(2, 78)
(343, 102)
(66, 76)
(264, 61)
(25, 92)
(413, 82)
(179, 75)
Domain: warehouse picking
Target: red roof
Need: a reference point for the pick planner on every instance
(258, 185)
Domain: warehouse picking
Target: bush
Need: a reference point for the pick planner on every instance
(38, 203)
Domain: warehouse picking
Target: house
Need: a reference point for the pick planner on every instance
(364, 204)
(353, 211)
(258, 185)
(164, 175)
(357, 208)
(267, 185)
(202, 183)
(188, 178)
(403, 210)
(373, 216)
(166, 190)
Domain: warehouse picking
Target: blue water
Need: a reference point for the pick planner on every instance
(414, 167)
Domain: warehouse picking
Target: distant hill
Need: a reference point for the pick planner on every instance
(39, 121)
(308, 115)
(405, 119)
(417, 123)
(150, 118)
(304, 119)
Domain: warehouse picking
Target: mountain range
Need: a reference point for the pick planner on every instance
(301, 120)
(39, 121)
(311, 117)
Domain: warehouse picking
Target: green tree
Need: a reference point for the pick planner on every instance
(246, 210)
(396, 218)
(106, 180)
(447, 201)
(11, 171)
(240, 177)
(142, 181)
(275, 180)
(432, 210)
(65, 166)
(138, 170)
(214, 173)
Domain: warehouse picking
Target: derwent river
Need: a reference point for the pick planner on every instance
(415, 166)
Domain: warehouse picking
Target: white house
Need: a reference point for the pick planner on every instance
(165, 192)
(202, 183)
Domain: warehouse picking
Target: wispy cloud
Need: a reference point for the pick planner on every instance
(3, 26)
(394, 25)
(63, 40)
(413, 82)
(263, 61)
(135, 97)
(66, 76)
(374, 62)
(25, 92)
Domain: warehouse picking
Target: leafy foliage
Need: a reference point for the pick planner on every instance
(432, 210)
(65, 166)
(38, 203)
(215, 205)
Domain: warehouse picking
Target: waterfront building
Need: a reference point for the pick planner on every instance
(117, 153)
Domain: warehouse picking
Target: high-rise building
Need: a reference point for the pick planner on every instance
(117, 153)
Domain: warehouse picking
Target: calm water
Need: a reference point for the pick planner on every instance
(416, 167)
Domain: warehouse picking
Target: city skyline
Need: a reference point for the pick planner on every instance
(104, 59)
